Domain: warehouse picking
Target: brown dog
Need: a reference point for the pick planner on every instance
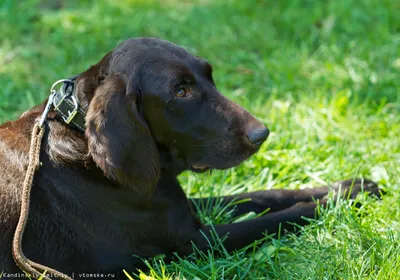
(108, 191)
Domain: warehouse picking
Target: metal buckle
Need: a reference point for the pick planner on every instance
(72, 114)
(66, 92)
(50, 101)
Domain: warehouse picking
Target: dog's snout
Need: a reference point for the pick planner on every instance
(258, 136)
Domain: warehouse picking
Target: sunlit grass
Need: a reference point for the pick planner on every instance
(324, 76)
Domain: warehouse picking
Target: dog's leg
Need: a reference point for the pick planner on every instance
(238, 235)
(276, 200)
(289, 208)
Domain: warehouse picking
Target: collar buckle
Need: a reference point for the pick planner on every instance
(71, 114)
(65, 103)
(66, 91)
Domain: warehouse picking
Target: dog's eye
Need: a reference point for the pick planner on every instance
(182, 92)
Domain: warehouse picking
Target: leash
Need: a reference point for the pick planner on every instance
(25, 264)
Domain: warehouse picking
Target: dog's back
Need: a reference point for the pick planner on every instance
(14, 151)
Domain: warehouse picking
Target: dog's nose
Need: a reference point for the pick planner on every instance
(258, 135)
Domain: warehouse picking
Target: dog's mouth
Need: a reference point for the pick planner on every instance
(199, 168)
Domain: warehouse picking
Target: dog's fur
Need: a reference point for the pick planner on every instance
(103, 196)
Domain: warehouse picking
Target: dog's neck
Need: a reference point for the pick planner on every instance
(72, 149)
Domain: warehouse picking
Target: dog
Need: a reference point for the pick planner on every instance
(107, 196)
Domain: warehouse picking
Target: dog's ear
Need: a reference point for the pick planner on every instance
(119, 140)
(89, 80)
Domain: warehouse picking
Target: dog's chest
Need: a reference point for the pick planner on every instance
(108, 229)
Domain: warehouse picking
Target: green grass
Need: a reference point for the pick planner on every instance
(324, 76)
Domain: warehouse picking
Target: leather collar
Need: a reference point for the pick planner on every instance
(67, 106)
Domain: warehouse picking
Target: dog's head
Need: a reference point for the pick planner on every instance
(153, 105)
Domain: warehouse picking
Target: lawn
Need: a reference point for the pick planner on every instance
(324, 76)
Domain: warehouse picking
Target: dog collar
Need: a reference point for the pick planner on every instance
(66, 104)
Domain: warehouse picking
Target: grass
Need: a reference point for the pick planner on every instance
(324, 76)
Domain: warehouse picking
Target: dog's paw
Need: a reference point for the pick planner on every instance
(356, 186)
